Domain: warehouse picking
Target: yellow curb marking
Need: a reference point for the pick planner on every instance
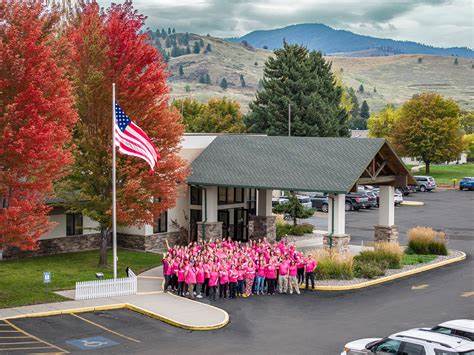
(151, 277)
(35, 337)
(412, 203)
(419, 287)
(467, 294)
(105, 328)
(149, 293)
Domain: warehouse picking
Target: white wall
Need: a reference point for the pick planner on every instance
(89, 226)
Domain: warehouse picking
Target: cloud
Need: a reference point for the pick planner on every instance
(435, 22)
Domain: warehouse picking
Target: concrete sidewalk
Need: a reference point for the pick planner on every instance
(150, 300)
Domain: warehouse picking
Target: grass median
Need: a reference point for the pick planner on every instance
(444, 174)
(21, 281)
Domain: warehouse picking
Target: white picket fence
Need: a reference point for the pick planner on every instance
(86, 290)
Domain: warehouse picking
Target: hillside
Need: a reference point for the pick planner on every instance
(395, 78)
(340, 42)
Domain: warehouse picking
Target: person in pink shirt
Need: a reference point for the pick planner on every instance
(240, 280)
(270, 276)
(199, 280)
(310, 266)
(180, 276)
(292, 278)
(260, 277)
(223, 282)
(190, 279)
(300, 267)
(233, 275)
(283, 269)
(249, 278)
(213, 282)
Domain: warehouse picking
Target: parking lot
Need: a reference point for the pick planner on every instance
(313, 323)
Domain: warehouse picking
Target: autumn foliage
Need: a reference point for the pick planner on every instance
(108, 47)
(36, 120)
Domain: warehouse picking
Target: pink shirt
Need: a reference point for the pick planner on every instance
(180, 275)
(199, 275)
(283, 268)
(250, 273)
(293, 270)
(190, 277)
(213, 277)
(223, 277)
(310, 266)
(233, 275)
(261, 271)
(270, 272)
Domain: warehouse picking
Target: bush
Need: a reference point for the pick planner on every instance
(368, 269)
(283, 229)
(385, 254)
(332, 265)
(301, 229)
(425, 240)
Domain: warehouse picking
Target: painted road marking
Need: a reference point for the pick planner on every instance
(36, 338)
(419, 287)
(467, 294)
(92, 343)
(105, 328)
(20, 337)
(151, 277)
(20, 342)
(28, 348)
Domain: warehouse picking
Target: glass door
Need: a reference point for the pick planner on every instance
(223, 216)
(241, 224)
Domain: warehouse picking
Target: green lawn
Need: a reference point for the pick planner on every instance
(21, 281)
(444, 174)
(412, 259)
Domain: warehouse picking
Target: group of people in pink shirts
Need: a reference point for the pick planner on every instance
(230, 269)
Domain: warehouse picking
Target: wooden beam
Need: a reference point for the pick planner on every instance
(377, 180)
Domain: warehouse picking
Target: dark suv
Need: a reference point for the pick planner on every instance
(354, 202)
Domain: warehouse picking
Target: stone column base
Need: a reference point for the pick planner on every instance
(386, 233)
(340, 242)
(262, 227)
(208, 230)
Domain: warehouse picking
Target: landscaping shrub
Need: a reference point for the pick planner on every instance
(333, 265)
(301, 229)
(425, 240)
(368, 269)
(385, 254)
(283, 229)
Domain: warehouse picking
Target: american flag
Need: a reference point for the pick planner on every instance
(132, 140)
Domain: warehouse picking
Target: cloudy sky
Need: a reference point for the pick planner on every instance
(437, 22)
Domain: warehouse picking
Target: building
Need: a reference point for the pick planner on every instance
(229, 190)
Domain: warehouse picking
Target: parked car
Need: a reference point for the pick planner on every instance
(398, 197)
(305, 201)
(371, 199)
(356, 201)
(320, 202)
(279, 200)
(425, 183)
(412, 342)
(458, 327)
(466, 183)
(409, 189)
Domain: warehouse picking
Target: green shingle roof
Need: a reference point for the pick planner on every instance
(284, 163)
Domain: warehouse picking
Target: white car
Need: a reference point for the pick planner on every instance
(305, 201)
(398, 197)
(458, 327)
(416, 341)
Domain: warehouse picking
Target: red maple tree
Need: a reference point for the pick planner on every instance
(109, 47)
(36, 119)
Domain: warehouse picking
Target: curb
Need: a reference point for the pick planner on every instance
(391, 277)
(412, 203)
(124, 306)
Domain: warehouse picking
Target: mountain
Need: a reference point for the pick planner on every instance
(386, 79)
(343, 43)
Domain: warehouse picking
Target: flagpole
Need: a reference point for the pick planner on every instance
(114, 210)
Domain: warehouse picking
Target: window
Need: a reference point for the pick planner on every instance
(252, 202)
(239, 195)
(74, 224)
(387, 346)
(161, 223)
(222, 195)
(230, 195)
(196, 195)
(413, 349)
(445, 352)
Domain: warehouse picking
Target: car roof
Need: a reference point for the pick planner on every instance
(448, 341)
(466, 325)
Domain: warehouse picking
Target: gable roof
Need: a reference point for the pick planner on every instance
(285, 163)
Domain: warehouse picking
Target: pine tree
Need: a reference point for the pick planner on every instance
(256, 63)
(456, 61)
(303, 79)
(361, 89)
(173, 31)
(169, 30)
(208, 48)
(163, 33)
(224, 85)
(196, 48)
(420, 60)
(181, 70)
(168, 42)
(375, 89)
(364, 110)
(208, 79)
(201, 42)
(242, 81)
(188, 50)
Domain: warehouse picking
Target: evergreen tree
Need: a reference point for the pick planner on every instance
(208, 79)
(175, 51)
(188, 50)
(169, 30)
(208, 48)
(173, 31)
(420, 60)
(364, 110)
(163, 33)
(201, 42)
(361, 89)
(205, 79)
(224, 84)
(456, 61)
(196, 48)
(181, 70)
(168, 42)
(242, 81)
(256, 63)
(303, 79)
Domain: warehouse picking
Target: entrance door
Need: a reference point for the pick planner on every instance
(195, 216)
(241, 224)
(223, 216)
